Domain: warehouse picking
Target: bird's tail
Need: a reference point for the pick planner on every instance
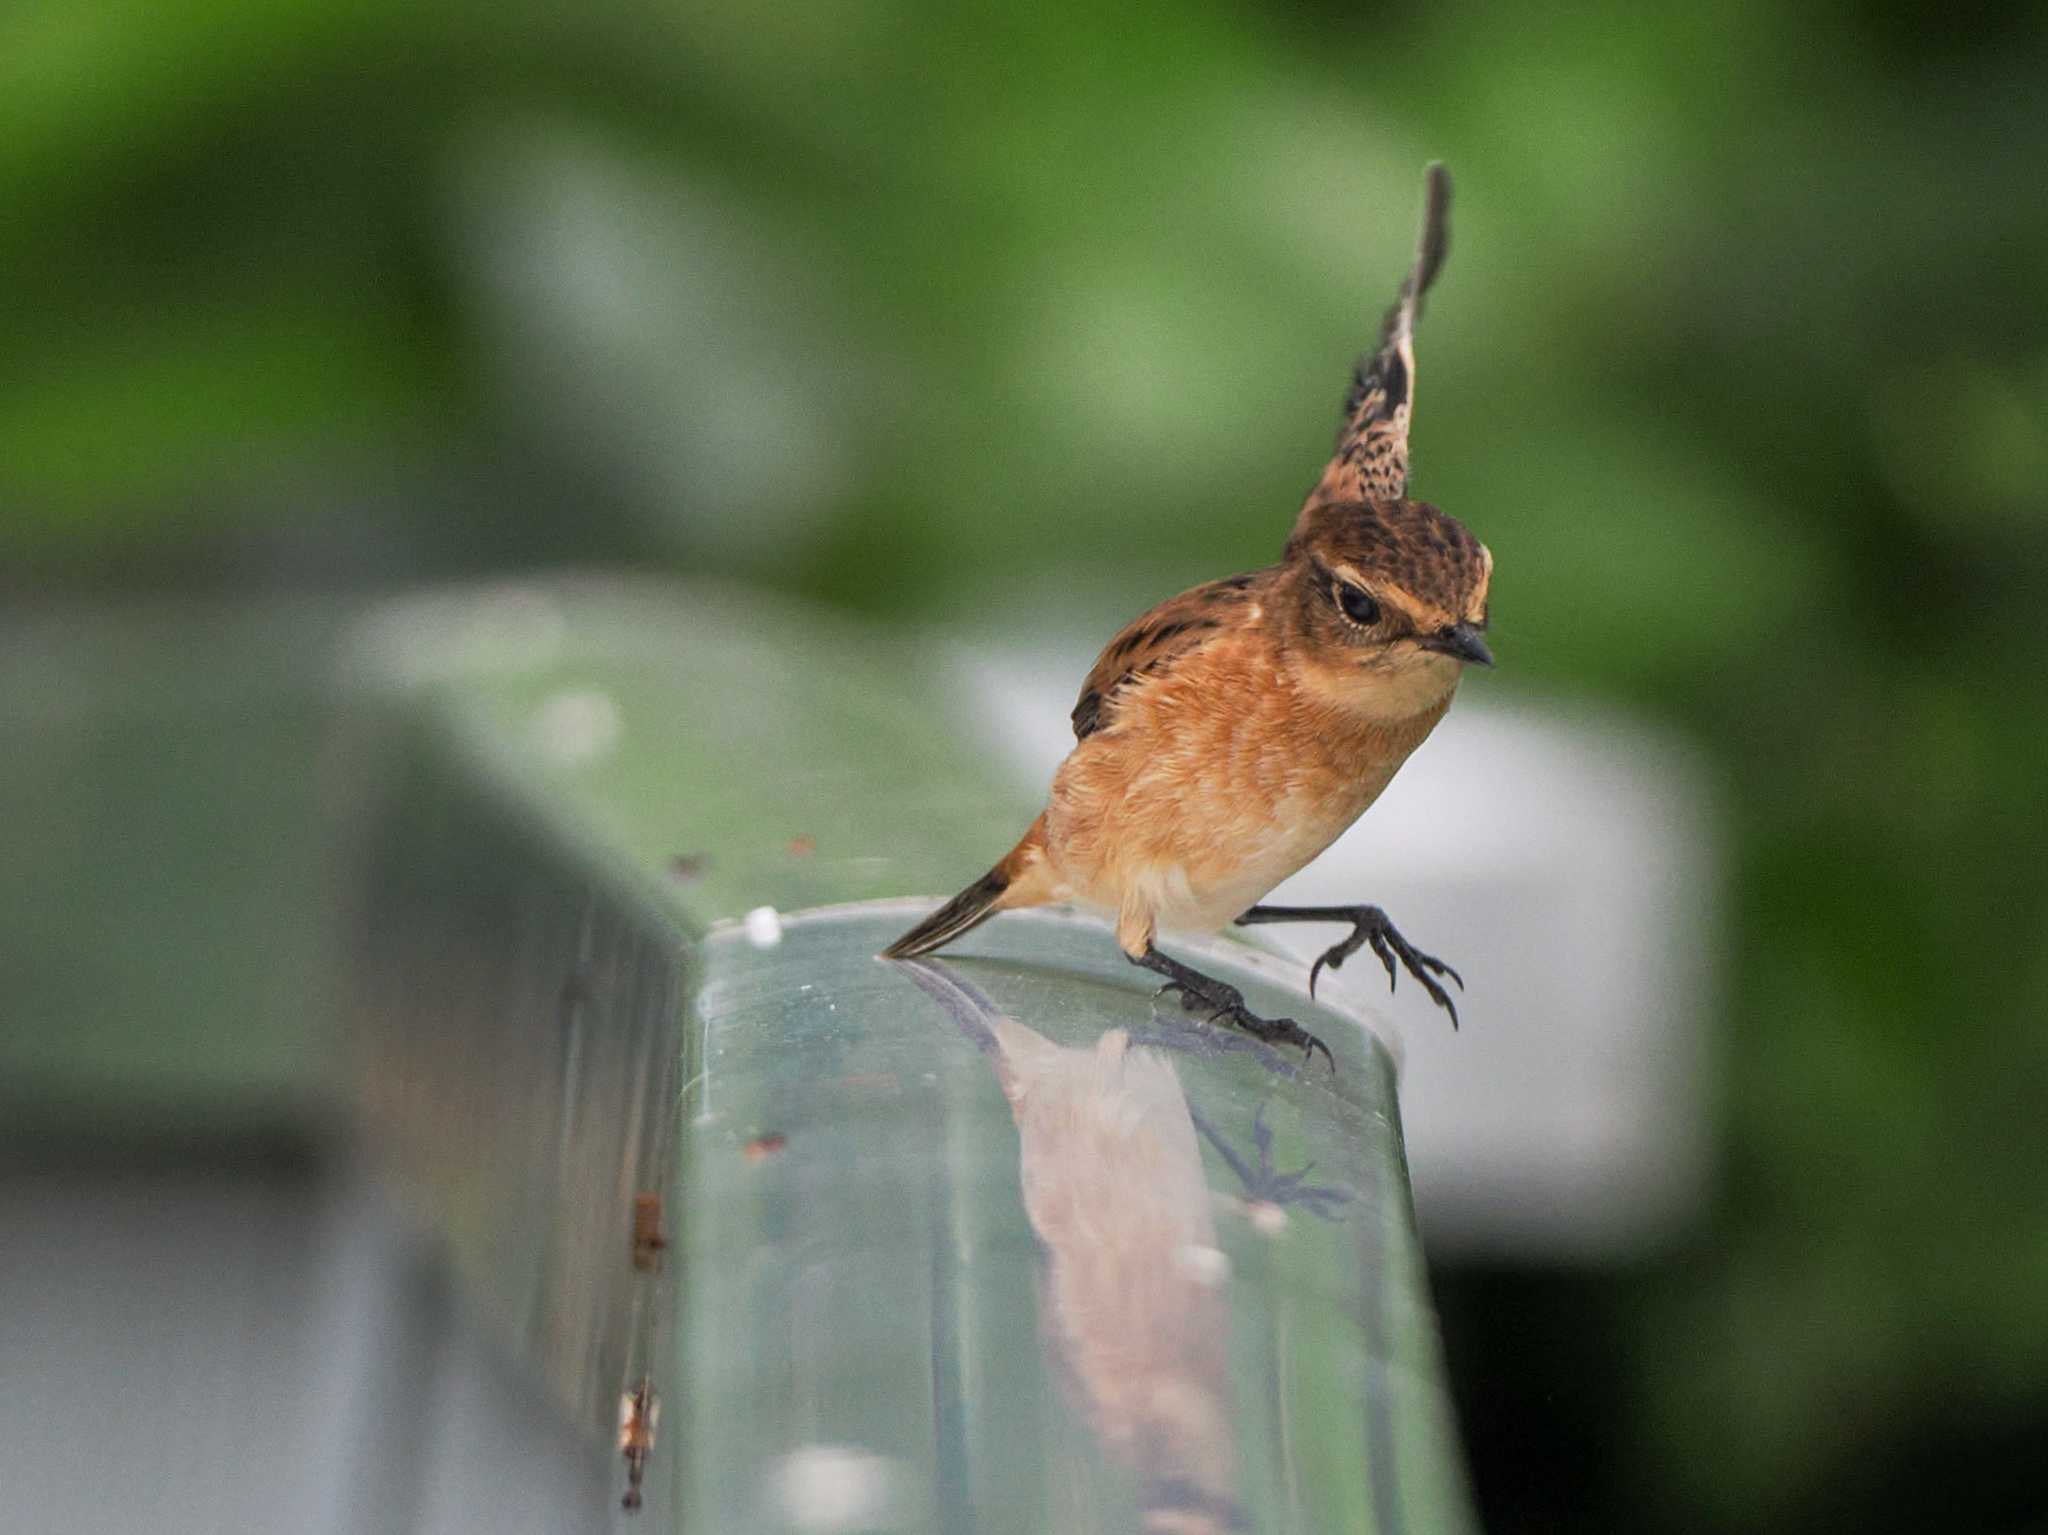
(1371, 458)
(1002, 887)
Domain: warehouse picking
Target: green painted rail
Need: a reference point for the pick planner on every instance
(991, 1242)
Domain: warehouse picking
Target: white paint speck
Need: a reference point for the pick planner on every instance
(764, 927)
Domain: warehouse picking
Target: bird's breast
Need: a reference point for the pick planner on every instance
(1211, 789)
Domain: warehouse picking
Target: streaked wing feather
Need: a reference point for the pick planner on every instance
(1153, 644)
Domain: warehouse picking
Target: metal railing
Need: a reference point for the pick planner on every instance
(994, 1241)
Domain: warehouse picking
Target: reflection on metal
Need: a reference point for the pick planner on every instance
(1111, 1175)
(1002, 1242)
(1267, 1191)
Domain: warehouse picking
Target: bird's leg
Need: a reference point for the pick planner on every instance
(1369, 925)
(1203, 993)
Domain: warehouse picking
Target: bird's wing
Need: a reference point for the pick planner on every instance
(1154, 643)
(1371, 459)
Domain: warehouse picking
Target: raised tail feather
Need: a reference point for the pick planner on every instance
(1371, 458)
(1010, 879)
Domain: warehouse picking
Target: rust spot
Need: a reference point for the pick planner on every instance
(802, 845)
(639, 1411)
(648, 1241)
(762, 1147)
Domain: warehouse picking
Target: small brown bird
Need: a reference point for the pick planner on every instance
(1231, 734)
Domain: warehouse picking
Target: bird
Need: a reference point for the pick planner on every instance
(1228, 736)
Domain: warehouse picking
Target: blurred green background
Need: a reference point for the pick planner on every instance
(1016, 320)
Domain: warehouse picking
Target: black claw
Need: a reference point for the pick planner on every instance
(1379, 947)
(1369, 927)
(1284, 1031)
(1417, 957)
(1279, 1031)
(1420, 965)
(1437, 994)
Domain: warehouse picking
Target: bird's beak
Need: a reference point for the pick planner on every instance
(1462, 641)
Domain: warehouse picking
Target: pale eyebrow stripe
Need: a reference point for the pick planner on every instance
(1420, 617)
(1344, 573)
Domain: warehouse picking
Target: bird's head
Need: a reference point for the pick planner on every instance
(1389, 601)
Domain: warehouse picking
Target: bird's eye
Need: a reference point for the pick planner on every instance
(1357, 604)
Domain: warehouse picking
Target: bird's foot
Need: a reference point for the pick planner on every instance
(1369, 925)
(1220, 1002)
